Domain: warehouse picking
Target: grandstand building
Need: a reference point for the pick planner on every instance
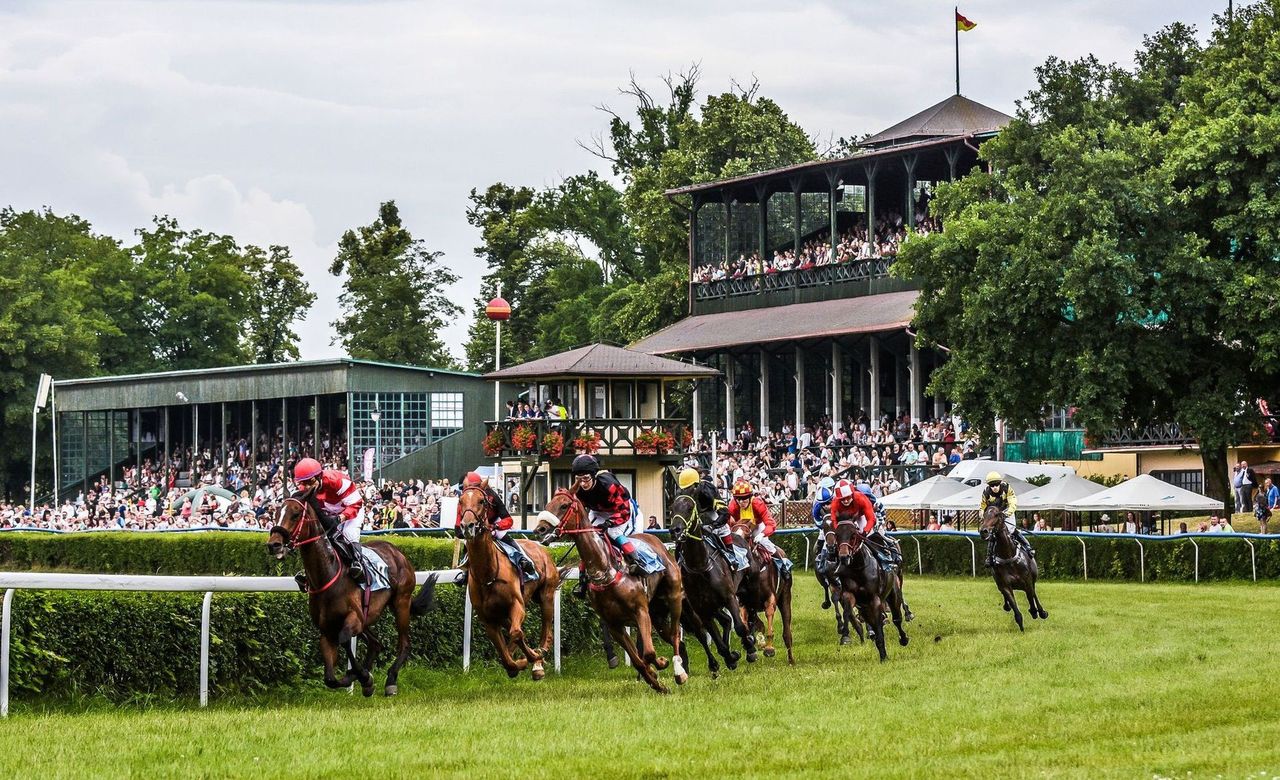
(375, 419)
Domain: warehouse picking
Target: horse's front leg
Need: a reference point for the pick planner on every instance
(350, 630)
(770, 607)
(329, 653)
(514, 666)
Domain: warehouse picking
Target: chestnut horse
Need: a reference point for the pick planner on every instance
(865, 582)
(1014, 569)
(498, 590)
(646, 602)
(337, 603)
(764, 589)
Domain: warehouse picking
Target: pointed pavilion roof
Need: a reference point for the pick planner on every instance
(602, 360)
(957, 115)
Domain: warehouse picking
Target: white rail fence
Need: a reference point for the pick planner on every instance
(11, 581)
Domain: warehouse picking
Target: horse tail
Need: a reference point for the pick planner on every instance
(426, 598)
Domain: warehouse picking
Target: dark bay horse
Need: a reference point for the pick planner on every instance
(645, 602)
(763, 589)
(499, 592)
(1014, 569)
(337, 604)
(846, 616)
(710, 588)
(865, 582)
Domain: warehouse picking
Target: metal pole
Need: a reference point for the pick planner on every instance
(1253, 560)
(497, 363)
(1084, 553)
(919, 553)
(1142, 562)
(4, 653)
(806, 544)
(466, 632)
(204, 649)
(53, 414)
(973, 550)
(35, 410)
(556, 629)
(1193, 544)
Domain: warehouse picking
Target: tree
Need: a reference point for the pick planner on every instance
(1097, 266)
(51, 320)
(196, 292)
(283, 297)
(394, 299)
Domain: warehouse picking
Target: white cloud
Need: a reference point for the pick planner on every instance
(289, 122)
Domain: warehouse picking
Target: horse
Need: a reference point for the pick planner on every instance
(340, 608)
(710, 588)
(1014, 569)
(865, 582)
(498, 590)
(646, 601)
(764, 589)
(845, 615)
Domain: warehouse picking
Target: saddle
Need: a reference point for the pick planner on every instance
(514, 554)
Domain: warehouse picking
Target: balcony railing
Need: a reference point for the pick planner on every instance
(1164, 435)
(849, 271)
(645, 437)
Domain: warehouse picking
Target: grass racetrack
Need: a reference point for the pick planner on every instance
(1123, 680)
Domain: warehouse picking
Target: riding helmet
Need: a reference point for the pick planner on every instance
(585, 464)
(307, 468)
(742, 489)
(994, 476)
(688, 478)
(865, 489)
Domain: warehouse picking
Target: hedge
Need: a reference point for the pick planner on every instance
(121, 645)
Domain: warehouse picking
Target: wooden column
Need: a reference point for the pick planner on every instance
(837, 386)
(764, 392)
(909, 162)
(799, 389)
(873, 346)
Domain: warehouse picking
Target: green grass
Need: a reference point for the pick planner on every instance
(1123, 680)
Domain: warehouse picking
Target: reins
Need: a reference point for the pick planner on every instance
(292, 543)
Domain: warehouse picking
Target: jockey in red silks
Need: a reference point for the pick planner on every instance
(746, 507)
(849, 502)
(610, 507)
(342, 511)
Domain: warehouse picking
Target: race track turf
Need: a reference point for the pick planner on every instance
(1123, 680)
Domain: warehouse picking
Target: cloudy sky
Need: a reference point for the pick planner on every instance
(281, 122)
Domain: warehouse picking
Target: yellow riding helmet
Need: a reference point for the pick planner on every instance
(688, 478)
(742, 489)
(994, 476)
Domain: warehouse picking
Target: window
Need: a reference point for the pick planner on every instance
(597, 401)
(446, 414)
(1187, 479)
(622, 406)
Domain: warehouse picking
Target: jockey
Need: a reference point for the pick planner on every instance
(746, 507)
(708, 501)
(821, 511)
(498, 529)
(999, 494)
(890, 544)
(610, 507)
(341, 512)
(849, 502)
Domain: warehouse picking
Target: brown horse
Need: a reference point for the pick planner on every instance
(338, 605)
(646, 602)
(1014, 569)
(764, 589)
(865, 582)
(498, 591)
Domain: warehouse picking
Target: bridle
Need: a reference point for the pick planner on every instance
(578, 512)
(841, 547)
(485, 502)
(292, 542)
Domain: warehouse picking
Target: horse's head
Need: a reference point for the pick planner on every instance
(992, 521)
(296, 517)
(563, 514)
(846, 537)
(683, 512)
(475, 512)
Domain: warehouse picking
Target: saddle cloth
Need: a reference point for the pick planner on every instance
(516, 555)
(376, 573)
(649, 560)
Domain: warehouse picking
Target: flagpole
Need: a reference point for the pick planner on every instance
(957, 26)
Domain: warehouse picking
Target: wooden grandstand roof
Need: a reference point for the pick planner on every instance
(957, 115)
(602, 360)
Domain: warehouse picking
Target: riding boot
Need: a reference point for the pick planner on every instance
(580, 590)
(1023, 542)
(526, 566)
(349, 551)
(461, 579)
(301, 579)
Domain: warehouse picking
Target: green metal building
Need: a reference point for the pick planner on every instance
(417, 422)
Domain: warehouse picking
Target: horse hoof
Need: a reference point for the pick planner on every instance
(538, 674)
(367, 691)
(1044, 615)
(715, 674)
(769, 652)
(910, 616)
(660, 662)
(391, 690)
(613, 662)
(903, 641)
(662, 689)
(681, 679)
(1006, 607)
(826, 605)
(751, 658)
(844, 640)
(513, 673)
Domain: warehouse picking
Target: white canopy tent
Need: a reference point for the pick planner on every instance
(1145, 493)
(1058, 494)
(919, 495)
(969, 498)
(966, 470)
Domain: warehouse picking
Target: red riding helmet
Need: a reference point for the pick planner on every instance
(472, 479)
(307, 468)
(845, 491)
(742, 489)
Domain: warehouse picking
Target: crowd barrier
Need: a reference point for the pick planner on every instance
(11, 581)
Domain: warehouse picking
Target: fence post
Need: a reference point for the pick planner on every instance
(1142, 562)
(556, 629)
(1084, 555)
(919, 553)
(4, 653)
(806, 552)
(1193, 544)
(1253, 560)
(466, 632)
(973, 550)
(204, 649)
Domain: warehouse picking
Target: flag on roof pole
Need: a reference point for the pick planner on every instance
(963, 24)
